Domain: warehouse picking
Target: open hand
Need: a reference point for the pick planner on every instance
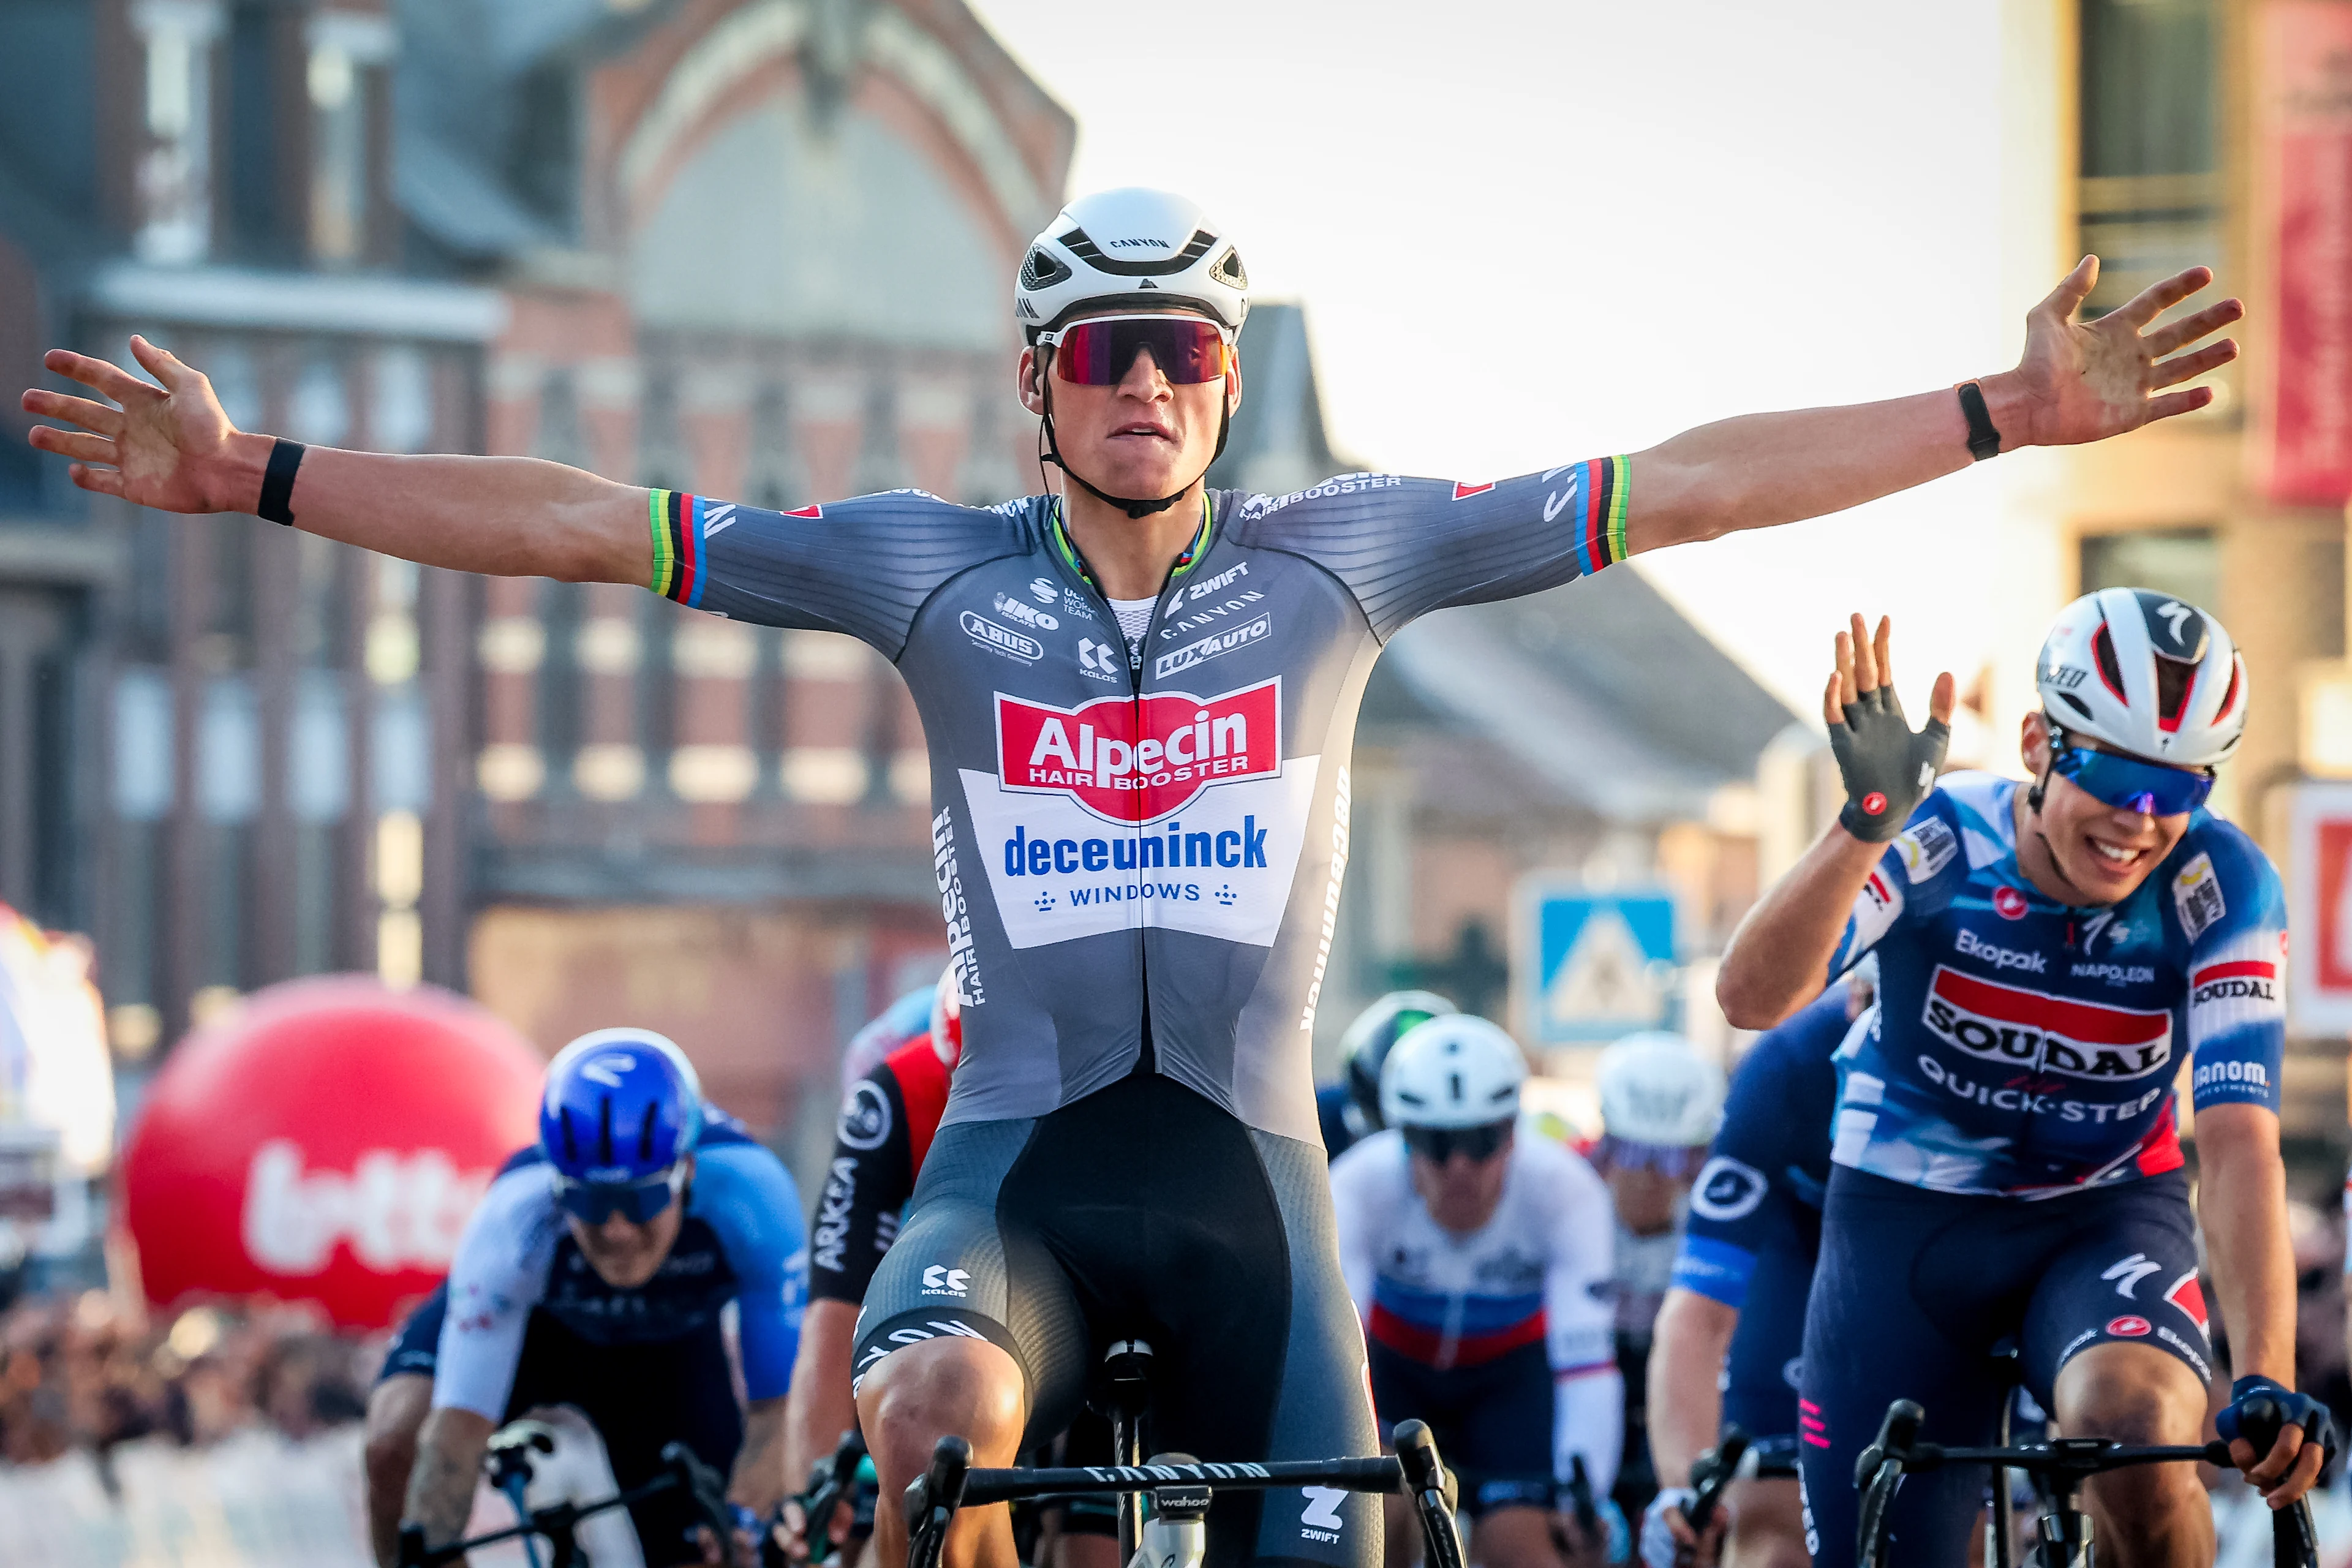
(2085, 381)
(168, 446)
(1887, 767)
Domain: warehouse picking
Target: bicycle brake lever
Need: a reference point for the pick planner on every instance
(1896, 1434)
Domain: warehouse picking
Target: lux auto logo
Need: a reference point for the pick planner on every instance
(1134, 759)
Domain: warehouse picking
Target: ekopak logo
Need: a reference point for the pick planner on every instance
(1133, 760)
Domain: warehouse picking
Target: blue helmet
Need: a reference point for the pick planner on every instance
(621, 1106)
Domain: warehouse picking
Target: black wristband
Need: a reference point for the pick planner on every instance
(1984, 441)
(277, 483)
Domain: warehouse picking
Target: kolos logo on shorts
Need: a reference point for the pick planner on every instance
(1133, 759)
(2011, 1025)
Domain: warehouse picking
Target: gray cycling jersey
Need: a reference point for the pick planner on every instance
(1141, 854)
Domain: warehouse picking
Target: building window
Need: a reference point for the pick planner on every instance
(2184, 562)
(2150, 197)
(174, 174)
(346, 52)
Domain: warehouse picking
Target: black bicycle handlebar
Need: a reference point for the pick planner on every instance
(560, 1522)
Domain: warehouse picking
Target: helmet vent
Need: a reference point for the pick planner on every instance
(1228, 270)
(2230, 697)
(2175, 682)
(2111, 670)
(1043, 269)
(646, 1134)
(605, 1131)
(2077, 704)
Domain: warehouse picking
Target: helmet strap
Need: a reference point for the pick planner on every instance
(1051, 452)
(2034, 797)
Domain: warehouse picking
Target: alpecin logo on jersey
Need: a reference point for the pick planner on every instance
(2037, 1032)
(1134, 759)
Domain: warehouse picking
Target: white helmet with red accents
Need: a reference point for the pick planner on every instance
(1146, 249)
(2148, 674)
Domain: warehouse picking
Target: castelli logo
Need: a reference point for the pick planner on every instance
(2009, 903)
(1135, 760)
(1874, 803)
(2129, 1327)
(394, 1211)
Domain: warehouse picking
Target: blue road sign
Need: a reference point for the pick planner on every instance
(1591, 965)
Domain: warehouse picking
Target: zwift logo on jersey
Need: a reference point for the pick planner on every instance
(1135, 760)
(2043, 1034)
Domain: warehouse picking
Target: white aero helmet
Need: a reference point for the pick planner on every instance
(1147, 248)
(1656, 1088)
(2148, 674)
(1458, 1070)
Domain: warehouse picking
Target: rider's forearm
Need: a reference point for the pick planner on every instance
(1694, 1335)
(1779, 958)
(2242, 1205)
(822, 1408)
(758, 1481)
(441, 1487)
(506, 516)
(1761, 469)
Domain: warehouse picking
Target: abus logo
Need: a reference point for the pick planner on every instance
(2025, 1029)
(1135, 760)
(1001, 639)
(394, 1211)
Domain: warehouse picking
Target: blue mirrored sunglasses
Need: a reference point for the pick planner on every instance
(593, 1203)
(2128, 784)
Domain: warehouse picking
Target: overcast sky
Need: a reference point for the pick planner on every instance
(1529, 233)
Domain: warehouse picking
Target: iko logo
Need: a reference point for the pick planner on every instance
(1014, 609)
(940, 1279)
(1135, 760)
(1099, 660)
(1001, 639)
(1975, 947)
(1042, 589)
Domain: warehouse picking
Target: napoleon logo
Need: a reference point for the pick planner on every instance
(1726, 1190)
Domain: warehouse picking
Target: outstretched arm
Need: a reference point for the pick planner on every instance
(2077, 381)
(173, 448)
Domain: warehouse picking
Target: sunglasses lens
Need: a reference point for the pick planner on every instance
(2129, 784)
(1439, 1145)
(1187, 349)
(593, 1203)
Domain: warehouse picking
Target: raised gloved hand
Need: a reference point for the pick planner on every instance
(1889, 768)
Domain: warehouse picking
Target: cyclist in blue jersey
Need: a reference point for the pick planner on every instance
(1729, 1335)
(2006, 1162)
(1141, 698)
(594, 1274)
(1349, 1110)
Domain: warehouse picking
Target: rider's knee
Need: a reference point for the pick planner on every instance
(2131, 1394)
(917, 1395)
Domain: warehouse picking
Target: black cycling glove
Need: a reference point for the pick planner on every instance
(2259, 1409)
(1887, 769)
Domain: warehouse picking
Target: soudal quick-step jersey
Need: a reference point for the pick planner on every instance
(1140, 848)
(2031, 1048)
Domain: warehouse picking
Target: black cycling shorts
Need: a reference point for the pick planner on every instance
(1914, 1291)
(640, 1397)
(1145, 1211)
(1493, 1422)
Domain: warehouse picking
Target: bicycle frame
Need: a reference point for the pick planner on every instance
(1180, 1494)
(2064, 1463)
(560, 1522)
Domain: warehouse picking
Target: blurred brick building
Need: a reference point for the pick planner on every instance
(758, 248)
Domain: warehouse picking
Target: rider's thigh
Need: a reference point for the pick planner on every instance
(2125, 1278)
(1869, 1341)
(1768, 1525)
(1517, 1537)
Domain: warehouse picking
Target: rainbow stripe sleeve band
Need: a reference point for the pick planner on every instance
(1601, 529)
(677, 519)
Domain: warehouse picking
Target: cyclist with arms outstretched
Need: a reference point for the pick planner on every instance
(2005, 1159)
(1141, 811)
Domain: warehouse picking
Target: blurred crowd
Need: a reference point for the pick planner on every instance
(83, 1371)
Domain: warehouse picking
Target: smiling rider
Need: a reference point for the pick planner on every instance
(2006, 1163)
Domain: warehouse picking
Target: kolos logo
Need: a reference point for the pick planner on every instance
(1135, 760)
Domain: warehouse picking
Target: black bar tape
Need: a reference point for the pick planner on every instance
(277, 483)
